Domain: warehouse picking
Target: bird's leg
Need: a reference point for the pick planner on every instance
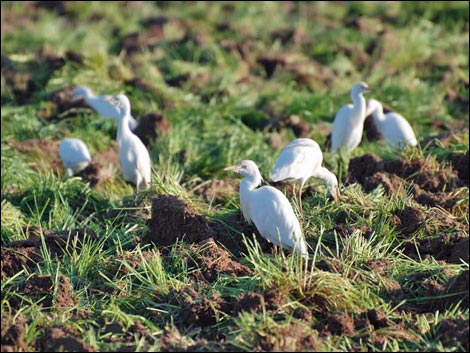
(300, 201)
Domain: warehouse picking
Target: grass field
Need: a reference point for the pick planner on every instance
(86, 266)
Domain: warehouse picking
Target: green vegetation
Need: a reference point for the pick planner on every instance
(388, 269)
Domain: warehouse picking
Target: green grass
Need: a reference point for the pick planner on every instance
(128, 294)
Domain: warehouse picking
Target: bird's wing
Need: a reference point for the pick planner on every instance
(143, 159)
(274, 217)
(341, 128)
(396, 129)
(297, 161)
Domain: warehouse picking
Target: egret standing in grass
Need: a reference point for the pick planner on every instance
(349, 124)
(133, 155)
(349, 121)
(100, 104)
(74, 154)
(268, 209)
(394, 128)
(300, 160)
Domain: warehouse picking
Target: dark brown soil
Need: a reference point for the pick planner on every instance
(196, 309)
(459, 162)
(173, 219)
(41, 289)
(150, 126)
(59, 339)
(410, 220)
(213, 260)
(454, 331)
(432, 183)
(290, 338)
(13, 336)
(301, 128)
(26, 253)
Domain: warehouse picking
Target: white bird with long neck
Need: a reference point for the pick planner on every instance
(100, 104)
(394, 128)
(74, 154)
(300, 160)
(133, 155)
(349, 121)
(268, 209)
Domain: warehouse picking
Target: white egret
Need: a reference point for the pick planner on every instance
(394, 128)
(349, 121)
(74, 154)
(100, 104)
(268, 209)
(300, 160)
(133, 155)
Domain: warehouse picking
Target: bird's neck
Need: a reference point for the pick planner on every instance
(359, 105)
(249, 183)
(326, 176)
(123, 127)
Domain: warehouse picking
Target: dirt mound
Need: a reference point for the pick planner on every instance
(453, 331)
(150, 126)
(427, 294)
(213, 261)
(364, 326)
(432, 182)
(13, 336)
(26, 253)
(59, 339)
(173, 220)
(196, 309)
(293, 337)
(459, 162)
(41, 288)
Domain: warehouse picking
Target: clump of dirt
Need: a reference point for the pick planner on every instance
(150, 126)
(340, 324)
(301, 128)
(60, 339)
(217, 190)
(453, 331)
(214, 261)
(362, 167)
(13, 336)
(410, 220)
(14, 260)
(251, 302)
(26, 253)
(174, 219)
(41, 288)
(428, 294)
(428, 177)
(459, 162)
(196, 309)
(290, 338)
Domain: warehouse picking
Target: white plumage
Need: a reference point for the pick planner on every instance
(268, 209)
(394, 128)
(133, 155)
(349, 121)
(300, 160)
(100, 104)
(74, 154)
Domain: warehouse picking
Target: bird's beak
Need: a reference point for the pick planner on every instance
(108, 99)
(233, 168)
(368, 89)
